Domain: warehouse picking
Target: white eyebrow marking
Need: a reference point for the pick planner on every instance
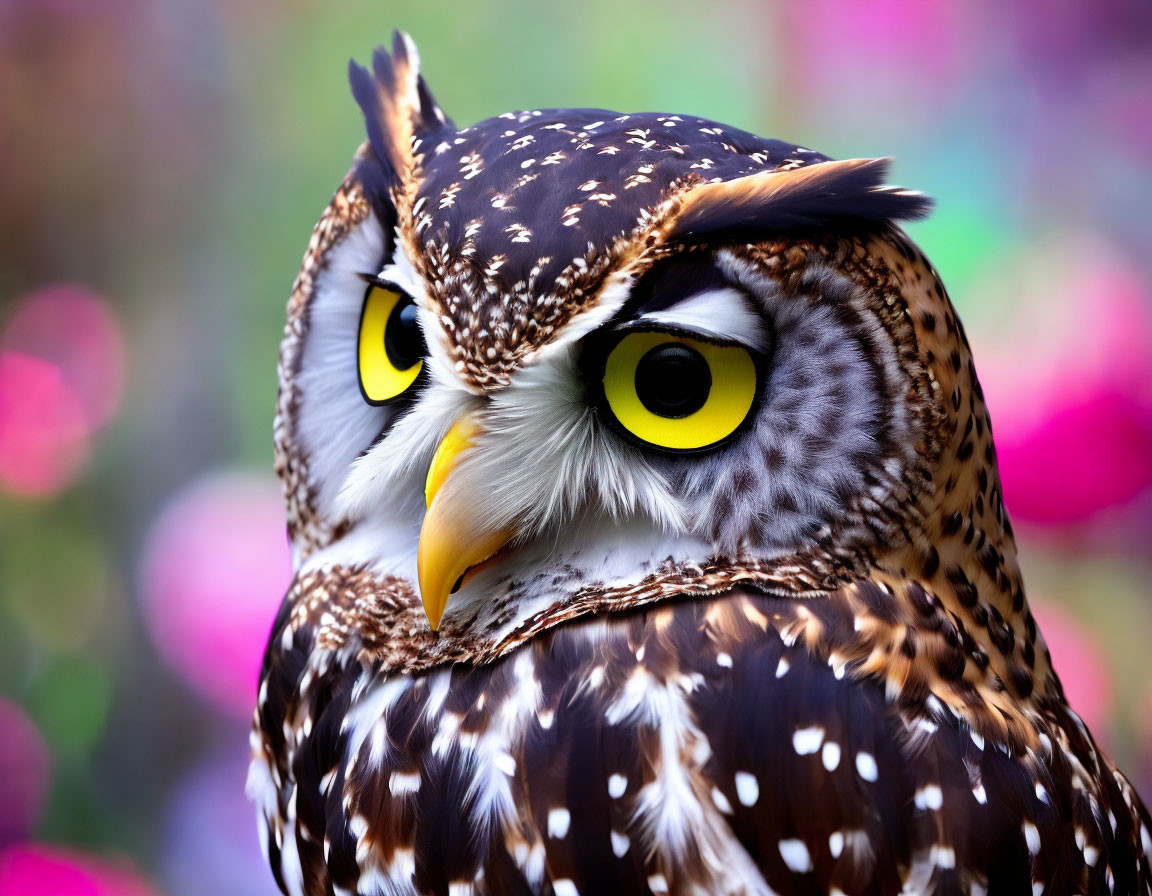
(724, 314)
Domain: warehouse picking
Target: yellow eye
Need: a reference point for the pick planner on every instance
(676, 392)
(391, 345)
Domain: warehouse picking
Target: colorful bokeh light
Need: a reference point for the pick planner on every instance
(214, 568)
(24, 769)
(40, 870)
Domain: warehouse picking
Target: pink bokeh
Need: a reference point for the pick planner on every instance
(23, 774)
(75, 330)
(1067, 371)
(43, 431)
(835, 42)
(1080, 663)
(38, 870)
(214, 569)
(61, 380)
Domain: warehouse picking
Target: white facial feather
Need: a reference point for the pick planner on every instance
(335, 422)
(724, 314)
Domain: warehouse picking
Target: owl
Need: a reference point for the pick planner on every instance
(648, 536)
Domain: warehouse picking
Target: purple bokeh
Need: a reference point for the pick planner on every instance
(214, 569)
(210, 840)
(24, 768)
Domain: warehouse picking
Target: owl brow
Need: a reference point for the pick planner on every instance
(669, 284)
(723, 314)
(691, 294)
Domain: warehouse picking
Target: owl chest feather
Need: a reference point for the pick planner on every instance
(696, 745)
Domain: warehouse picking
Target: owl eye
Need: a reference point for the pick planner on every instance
(678, 392)
(391, 345)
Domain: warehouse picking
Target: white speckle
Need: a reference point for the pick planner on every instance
(977, 739)
(564, 887)
(402, 867)
(782, 667)
(981, 794)
(461, 888)
(1146, 840)
(724, 659)
(807, 740)
(866, 766)
(942, 856)
(589, 185)
(505, 763)
(400, 783)
(836, 844)
(658, 883)
(596, 677)
(1091, 856)
(1041, 793)
(617, 784)
(721, 801)
(1037, 888)
(620, 844)
(830, 755)
(558, 822)
(929, 797)
(747, 788)
(545, 718)
(795, 855)
(1031, 837)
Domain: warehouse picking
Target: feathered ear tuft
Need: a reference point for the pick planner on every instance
(816, 194)
(397, 104)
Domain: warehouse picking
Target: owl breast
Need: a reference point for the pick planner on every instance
(701, 746)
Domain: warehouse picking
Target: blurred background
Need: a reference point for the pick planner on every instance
(162, 163)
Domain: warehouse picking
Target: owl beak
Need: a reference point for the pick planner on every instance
(451, 545)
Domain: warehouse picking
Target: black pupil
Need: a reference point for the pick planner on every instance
(403, 340)
(673, 380)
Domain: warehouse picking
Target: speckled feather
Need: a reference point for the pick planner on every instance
(875, 712)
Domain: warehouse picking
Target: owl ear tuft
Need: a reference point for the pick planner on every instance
(816, 194)
(398, 107)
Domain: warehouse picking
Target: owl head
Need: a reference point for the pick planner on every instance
(570, 359)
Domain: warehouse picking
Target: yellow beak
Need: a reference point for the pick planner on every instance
(451, 543)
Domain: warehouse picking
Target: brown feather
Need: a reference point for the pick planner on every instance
(788, 199)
